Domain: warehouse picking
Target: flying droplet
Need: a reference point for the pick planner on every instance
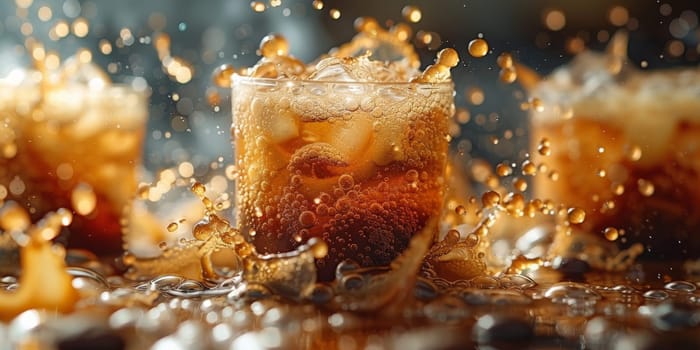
(478, 48)
(576, 215)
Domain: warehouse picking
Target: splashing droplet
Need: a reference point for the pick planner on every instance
(83, 199)
(576, 215)
(478, 48)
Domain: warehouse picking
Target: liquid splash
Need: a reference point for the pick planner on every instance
(41, 261)
(291, 274)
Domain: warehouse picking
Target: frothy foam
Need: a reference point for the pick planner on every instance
(646, 106)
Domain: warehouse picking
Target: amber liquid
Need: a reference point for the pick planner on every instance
(651, 201)
(364, 180)
(91, 148)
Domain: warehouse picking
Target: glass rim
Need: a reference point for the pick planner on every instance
(259, 81)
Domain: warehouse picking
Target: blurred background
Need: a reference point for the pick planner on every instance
(190, 118)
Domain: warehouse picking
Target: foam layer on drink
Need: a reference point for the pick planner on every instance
(373, 55)
(646, 106)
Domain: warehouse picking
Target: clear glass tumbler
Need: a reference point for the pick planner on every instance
(76, 147)
(360, 165)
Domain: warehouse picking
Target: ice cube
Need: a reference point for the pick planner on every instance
(281, 127)
(85, 73)
(351, 137)
(388, 145)
(360, 69)
(64, 104)
(590, 71)
(88, 123)
(334, 69)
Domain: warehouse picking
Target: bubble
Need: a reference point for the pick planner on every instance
(319, 248)
(576, 215)
(553, 175)
(555, 20)
(436, 72)
(461, 210)
(656, 294)
(611, 233)
(508, 75)
(317, 4)
(675, 48)
(44, 13)
(14, 218)
(17, 186)
(528, 168)
(411, 13)
(65, 216)
(462, 116)
(80, 27)
(618, 16)
(543, 148)
(680, 286)
(198, 189)
(665, 9)
(448, 57)
(504, 169)
(346, 182)
(505, 60)
(471, 240)
(307, 219)
(645, 187)
(402, 31)
(411, 175)
(172, 227)
(515, 203)
(83, 199)
(274, 45)
(571, 292)
(476, 96)
(365, 24)
(64, 171)
(478, 48)
(61, 29)
(257, 6)
(490, 199)
(185, 169)
(23, 4)
(222, 75)
(520, 184)
(334, 13)
(536, 104)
